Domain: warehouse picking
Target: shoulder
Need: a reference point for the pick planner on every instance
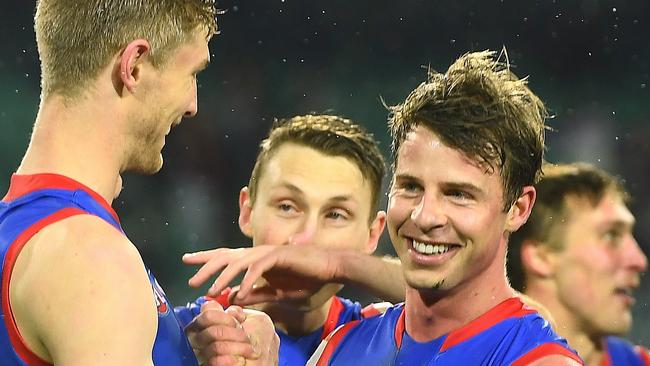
(95, 278)
(82, 249)
(84, 255)
(537, 306)
(532, 339)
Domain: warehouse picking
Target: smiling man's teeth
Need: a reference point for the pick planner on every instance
(423, 248)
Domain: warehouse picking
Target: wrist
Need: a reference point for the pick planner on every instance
(344, 263)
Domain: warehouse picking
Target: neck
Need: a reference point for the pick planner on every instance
(589, 347)
(295, 322)
(75, 141)
(433, 313)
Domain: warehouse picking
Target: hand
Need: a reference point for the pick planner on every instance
(290, 272)
(218, 336)
(264, 339)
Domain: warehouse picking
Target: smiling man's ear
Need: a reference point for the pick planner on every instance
(520, 210)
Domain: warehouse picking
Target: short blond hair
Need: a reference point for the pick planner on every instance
(76, 39)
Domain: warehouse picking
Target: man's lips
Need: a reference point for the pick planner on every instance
(626, 293)
(430, 253)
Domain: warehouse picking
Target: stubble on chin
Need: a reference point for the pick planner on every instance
(425, 285)
(144, 162)
(145, 155)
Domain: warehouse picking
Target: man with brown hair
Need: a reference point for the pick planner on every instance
(468, 147)
(316, 182)
(116, 77)
(577, 256)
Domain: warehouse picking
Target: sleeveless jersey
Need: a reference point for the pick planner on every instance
(294, 350)
(508, 334)
(32, 203)
(620, 352)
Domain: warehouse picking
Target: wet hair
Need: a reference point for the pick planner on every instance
(76, 39)
(330, 135)
(482, 109)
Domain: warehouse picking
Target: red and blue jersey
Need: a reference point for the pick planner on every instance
(620, 352)
(295, 350)
(508, 334)
(36, 201)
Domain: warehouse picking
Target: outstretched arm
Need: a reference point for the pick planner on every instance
(292, 272)
(380, 276)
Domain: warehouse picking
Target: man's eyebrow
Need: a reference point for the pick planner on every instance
(406, 176)
(342, 198)
(464, 186)
(619, 224)
(291, 187)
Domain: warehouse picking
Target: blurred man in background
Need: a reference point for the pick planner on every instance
(578, 257)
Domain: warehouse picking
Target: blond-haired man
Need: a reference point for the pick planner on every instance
(116, 77)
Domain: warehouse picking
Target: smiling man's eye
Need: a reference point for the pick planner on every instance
(460, 194)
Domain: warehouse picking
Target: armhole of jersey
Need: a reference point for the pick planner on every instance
(543, 350)
(644, 354)
(326, 348)
(21, 349)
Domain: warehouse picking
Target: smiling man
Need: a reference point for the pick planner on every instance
(468, 147)
(578, 257)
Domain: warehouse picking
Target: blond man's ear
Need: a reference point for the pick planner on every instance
(245, 212)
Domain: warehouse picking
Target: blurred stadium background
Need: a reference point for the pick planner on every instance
(588, 59)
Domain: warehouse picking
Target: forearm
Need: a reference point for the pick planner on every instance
(381, 276)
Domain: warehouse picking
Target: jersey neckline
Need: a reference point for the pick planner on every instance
(23, 184)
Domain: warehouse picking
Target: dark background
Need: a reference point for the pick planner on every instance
(588, 59)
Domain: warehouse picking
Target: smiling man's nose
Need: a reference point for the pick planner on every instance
(427, 215)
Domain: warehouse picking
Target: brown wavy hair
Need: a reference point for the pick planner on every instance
(482, 109)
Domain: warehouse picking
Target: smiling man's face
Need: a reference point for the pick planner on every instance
(445, 214)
